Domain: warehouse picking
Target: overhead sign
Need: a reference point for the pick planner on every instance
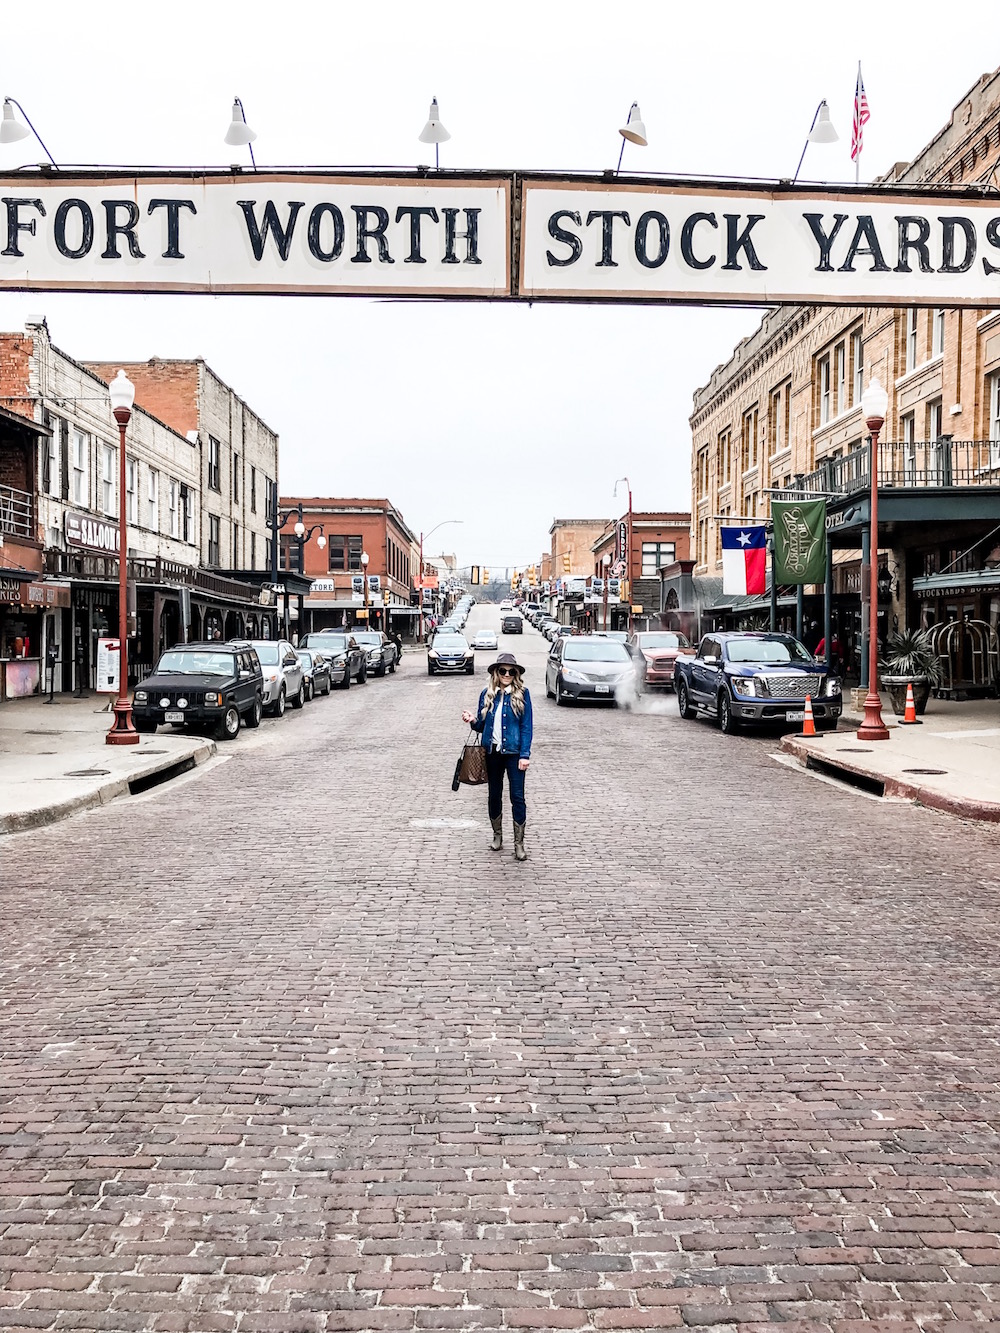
(621, 545)
(428, 234)
(95, 534)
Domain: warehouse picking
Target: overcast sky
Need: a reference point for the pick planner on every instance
(501, 416)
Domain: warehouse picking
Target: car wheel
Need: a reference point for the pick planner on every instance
(470, 670)
(392, 668)
(229, 724)
(279, 704)
(684, 702)
(559, 696)
(345, 684)
(727, 722)
(363, 673)
(310, 690)
(327, 687)
(252, 719)
(548, 692)
(380, 669)
(299, 697)
(144, 728)
(430, 669)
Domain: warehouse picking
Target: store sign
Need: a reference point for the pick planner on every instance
(45, 594)
(94, 534)
(323, 585)
(10, 591)
(621, 544)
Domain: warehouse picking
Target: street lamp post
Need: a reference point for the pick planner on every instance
(444, 523)
(628, 553)
(122, 394)
(364, 572)
(874, 403)
(606, 562)
(302, 535)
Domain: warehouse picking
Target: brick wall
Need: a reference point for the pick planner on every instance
(166, 389)
(15, 358)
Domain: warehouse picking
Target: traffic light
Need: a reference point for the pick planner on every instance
(385, 596)
(567, 562)
(474, 574)
(486, 576)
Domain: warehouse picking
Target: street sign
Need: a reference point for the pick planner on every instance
(109, 656)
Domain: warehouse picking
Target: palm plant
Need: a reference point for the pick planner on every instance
(909, 654)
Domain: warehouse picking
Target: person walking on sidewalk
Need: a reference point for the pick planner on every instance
(504, 720)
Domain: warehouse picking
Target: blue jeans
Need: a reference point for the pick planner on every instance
(496, 766)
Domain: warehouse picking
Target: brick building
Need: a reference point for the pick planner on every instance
(784, 415)
(658, 542)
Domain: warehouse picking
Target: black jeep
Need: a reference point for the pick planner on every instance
(210, 686)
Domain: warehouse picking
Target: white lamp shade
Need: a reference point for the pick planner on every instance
(11, 129)
(434, 131)
(121, 391)
(607, 559)
(634, 130)
(823, 131)
(239, 131)
(300, 528)
(321, 541)
(874, 400)
(365, 557)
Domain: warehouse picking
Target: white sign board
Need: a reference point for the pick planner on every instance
(109, 656)
(256, 232)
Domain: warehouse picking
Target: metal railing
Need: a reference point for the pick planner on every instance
(147, 569)
(909, 463)
(17, 512)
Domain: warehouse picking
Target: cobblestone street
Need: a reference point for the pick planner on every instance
(285, 1047)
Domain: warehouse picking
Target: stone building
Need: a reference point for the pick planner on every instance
(783, 415)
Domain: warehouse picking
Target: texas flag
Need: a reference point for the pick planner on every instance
(744, 559)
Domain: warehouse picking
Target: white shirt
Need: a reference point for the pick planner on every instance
(496, 741)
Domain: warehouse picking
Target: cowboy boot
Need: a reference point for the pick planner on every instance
(497, 842)
(519, 853)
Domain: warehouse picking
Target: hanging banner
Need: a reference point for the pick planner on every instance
(799, 540)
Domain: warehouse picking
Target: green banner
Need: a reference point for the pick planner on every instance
(799, 540)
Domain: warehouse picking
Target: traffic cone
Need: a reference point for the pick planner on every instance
(808, 725)
(910, 718)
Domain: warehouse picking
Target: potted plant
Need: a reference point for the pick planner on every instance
(909, 659)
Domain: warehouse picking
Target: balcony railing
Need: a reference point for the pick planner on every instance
(17, 512)
(909, 464)
(147, 569)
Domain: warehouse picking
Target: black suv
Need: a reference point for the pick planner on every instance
(512, 625)
(213, 686)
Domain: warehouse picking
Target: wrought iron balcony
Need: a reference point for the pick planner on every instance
(909, 464)
(17, 512)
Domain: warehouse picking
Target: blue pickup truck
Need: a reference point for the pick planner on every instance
(756, 678)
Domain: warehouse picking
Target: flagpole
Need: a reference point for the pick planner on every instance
(857, 95)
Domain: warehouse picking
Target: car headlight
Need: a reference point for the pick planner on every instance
(164, 703)
(832, 685)
(213, 700)
(577, 676)
(744, 685)
(182, 703)
(139, 697)
(340, 659)
(432, 652)
(271, 677)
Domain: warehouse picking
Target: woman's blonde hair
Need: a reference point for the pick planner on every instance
(516, 693)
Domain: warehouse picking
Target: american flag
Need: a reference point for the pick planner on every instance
(861, 117)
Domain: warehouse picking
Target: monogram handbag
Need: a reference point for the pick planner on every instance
(470, 770)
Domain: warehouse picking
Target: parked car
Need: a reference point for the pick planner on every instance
(485, 639)
(216, 686)
(755, 677)
(617, 635)
(315, 670)
(512, 624)
(654, 653)
(284, 681)
(587, 667)
(506, 605)
(380, 649)
(345, 657)
(450, 652)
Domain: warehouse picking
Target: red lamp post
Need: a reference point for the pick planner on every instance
(628, 556)
(874, 403)
(606, 565)
(122, 394)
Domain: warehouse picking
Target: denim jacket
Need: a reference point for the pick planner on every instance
(515, 731)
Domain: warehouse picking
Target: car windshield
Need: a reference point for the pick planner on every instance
(663, 641)
(268, 654)
(776, 651)
(305, 658)
(605, 651)
(333, 643)
(367, 636)
(205, 663)
(450, 642)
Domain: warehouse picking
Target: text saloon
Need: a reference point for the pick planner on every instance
(257, 233)
(634, 242)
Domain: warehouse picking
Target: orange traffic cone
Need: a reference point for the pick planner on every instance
(808, 725)
(910, 718)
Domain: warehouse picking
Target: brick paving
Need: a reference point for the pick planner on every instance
(725, 1052)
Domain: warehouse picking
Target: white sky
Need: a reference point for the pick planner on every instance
(503, 417)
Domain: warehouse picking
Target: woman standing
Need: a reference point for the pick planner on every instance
(504, 719)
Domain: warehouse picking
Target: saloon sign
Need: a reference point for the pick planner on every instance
(94, 534)
(497, 236)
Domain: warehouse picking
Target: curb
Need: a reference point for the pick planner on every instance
(900, 789)
(20, 822)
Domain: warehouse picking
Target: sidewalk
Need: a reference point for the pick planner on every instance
(951, 762)
(54, 760)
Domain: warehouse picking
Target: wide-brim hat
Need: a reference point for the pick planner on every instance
(507, 660)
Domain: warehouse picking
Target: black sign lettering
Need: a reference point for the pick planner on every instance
(376, 233)
(126, 228)
(948, 262)
(471, 235)
(993, 237)
(607, 216)
(642, 239)
(15, 224)
(173, 207)
(564, 237)
(824, 239)
(271, 226)
(86, 228)
(415, 214)
(737, 241)
(687, 240)
(917, 243)
(865, 231)
(315, 227)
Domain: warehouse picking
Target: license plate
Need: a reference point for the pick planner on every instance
(602, 689)
(173, 717)
(797, 716)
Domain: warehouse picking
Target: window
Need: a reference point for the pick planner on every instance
(236, 545)
(213, 540)
(269, 499)
(725, 456)
(268, 552)
(858, 362)
(355, 546)
(337, 548)
(840, 357)
(50, 460)
(131, 490)
(937, 332)
(253, 491)
(107, 479)
(236, 482)
(780, 408)
(909, 449)
(995, 419)
(654, 556)
(253, 550)
(748, 442)
(173, 507)
(911, 339)
(935, 420)
(703, 474)
(187, 513)
(153, 500)
(824, 390)
(214, 464)
(80, 490)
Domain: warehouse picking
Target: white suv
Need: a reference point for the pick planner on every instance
(284, 679)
